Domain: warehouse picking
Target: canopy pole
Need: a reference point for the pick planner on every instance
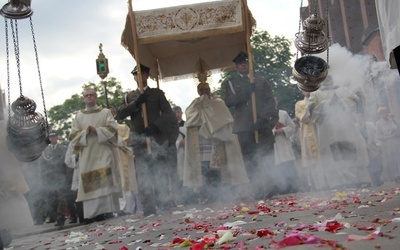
(139, 70)
(157, 73)
(158, 81)
(251, 72)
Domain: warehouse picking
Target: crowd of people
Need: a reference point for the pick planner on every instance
(340, 147)
(161, 160)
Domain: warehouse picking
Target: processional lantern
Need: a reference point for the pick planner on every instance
(102, 70)
(309, 70)
(27, 130)
(102, 64)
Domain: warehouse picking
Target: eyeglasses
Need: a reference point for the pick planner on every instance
(89, 95)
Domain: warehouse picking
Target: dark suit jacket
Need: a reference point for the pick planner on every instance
(54, 171)
(159, 113)
(243, 113)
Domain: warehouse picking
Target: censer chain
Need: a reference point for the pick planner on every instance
(39, 74)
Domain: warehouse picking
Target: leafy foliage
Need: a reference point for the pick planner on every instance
(272, 60)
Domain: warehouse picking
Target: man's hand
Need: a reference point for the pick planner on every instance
(260, 123)
(249, 89)
(279, 125)
(140, 100)
(181, 144)
(91, 130)
(279, 128)
(151, 130)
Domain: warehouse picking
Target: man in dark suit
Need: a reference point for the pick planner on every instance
(55, 177)
(156, 166)
(258, 157)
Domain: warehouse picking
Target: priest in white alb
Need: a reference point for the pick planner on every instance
(94, 137)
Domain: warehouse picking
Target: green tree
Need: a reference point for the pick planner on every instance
(60, 116)
(272, 59)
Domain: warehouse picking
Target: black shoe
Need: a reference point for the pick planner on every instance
(81, 220)
(123, 213)
(99, 217)
(50, 220)
(272, 191)
(148, 212)
(87, 221)
(73, 220)
(60, 223)
(108, 215)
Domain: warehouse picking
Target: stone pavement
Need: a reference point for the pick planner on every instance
(365, 218)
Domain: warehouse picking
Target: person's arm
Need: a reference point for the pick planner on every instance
(167, 115)
(314, 111)
(109, 131)
(76, 130)
(128, 106)
(289, 127)
(267, 114)
(234, 96)
(70, 158)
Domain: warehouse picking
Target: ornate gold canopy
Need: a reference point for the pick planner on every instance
(171, 40)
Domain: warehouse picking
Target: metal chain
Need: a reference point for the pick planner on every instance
(14, 30)
(38, 69)
(315, 6)
(8, 70)
(327, 32)
(301, 6)
(309, 13)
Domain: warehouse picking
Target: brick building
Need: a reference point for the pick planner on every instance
(352, 24)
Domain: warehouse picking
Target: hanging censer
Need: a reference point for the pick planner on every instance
(27, 130)
(309, 71)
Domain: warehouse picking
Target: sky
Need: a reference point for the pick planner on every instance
(68, 34)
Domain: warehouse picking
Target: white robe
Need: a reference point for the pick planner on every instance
(127, 170)
(211, 119)
(98, 166)
(389, 27)
(308, 143)
(283, 149)
(389, 135)
(180, 152)
(342, 157)
(71, 160)
(14, 210)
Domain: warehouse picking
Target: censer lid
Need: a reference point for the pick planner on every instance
(312, 40)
